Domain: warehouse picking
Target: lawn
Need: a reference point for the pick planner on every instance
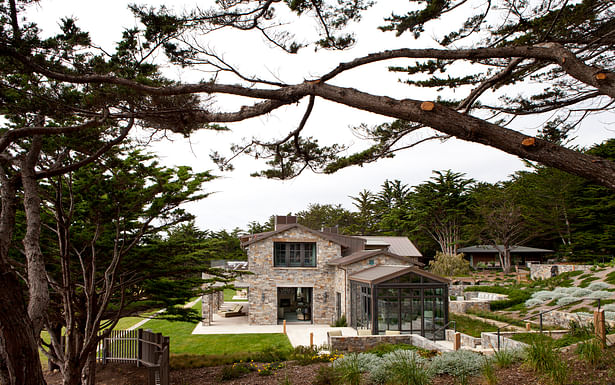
(471, 326)
(228, 296)
(183, 342)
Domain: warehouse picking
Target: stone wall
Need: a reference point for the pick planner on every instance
(362, 343)
(464, 306)
(481, 295)
(562, 319)
(490, 341)
(544, 271)
(466, 340)
(263, 284)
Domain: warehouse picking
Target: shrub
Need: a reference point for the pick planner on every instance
(340, 322)
(449, 265)
(609, 307)
(581, 293)
(566, 301)
(461, 364)
(596, 286)
(327, 375)
(488, 372)
(505, 358)
(405, 367)
(234, 371)
(541, 356)
(591, 351)
(602, 294)
(352, 366)
(305, 355)
(533, 302)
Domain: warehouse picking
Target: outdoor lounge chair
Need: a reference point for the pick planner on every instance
(234, 312)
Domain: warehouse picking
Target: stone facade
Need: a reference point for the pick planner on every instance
(466, 340)
(266, 278)
(540, 271)
(490, 341)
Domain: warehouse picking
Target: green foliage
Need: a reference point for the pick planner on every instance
(591, 351)
(307, 355)
(515, 296)
(471, 326)
(404, 367)
(449, 265)
(541, 355)
(505, 358)
(327, 375)
(461, 364)
(234, 371)
(351, 368)
(489, 373)
(340, 322)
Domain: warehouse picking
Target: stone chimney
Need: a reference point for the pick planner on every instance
(281, 220)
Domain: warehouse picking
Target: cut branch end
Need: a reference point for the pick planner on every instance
(601, 76)
(528, 142)
(428, 106)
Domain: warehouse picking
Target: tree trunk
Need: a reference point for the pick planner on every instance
(19, 360)
(37, 274)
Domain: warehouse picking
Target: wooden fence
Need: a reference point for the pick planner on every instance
(139, 347)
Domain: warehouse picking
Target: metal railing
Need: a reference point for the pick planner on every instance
(539, 315)
(444, 328)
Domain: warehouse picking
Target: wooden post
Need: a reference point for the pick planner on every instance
(528, 326)
(311, 339)
(457, 341)
(284, 326)
(599, 326)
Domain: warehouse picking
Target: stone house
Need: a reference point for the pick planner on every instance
(304, 275)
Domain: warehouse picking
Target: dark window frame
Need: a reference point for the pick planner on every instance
(294, 254)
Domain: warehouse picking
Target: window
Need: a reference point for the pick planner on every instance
(287, 254)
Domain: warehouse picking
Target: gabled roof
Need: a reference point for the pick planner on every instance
(492, 249)
(383, 273)
(282, 228)
(396, 245)
(365, 254)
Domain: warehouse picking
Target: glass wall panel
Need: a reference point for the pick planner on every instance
(406, 313)
(417, 315)
(439, 317)
(428, 317)
(388, 314)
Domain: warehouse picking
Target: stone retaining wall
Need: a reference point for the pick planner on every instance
(466, 340)
(542, 271)
(362, 343)
(490, 341)
(562, 319)
(464, 306)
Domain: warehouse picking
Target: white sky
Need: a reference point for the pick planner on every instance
(239, 198)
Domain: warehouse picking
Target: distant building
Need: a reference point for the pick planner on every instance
(488, 254)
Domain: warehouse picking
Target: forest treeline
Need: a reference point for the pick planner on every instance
(541, 207)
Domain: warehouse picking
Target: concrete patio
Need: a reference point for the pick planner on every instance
(298, 334)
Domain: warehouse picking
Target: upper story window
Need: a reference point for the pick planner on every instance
(294, 254)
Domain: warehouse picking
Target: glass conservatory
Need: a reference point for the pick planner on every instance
(400, 299)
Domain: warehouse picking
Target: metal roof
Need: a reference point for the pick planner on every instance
(492, 249)
(396, 245)
(364, 254)
(383, 273)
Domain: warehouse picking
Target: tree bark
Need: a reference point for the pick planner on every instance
(19, 359)
(37, 274)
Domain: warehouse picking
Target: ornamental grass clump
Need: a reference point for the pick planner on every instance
(352, 366)
(505, 358)
(533, 302)
(402, 367)
(602, 294)
(581, 293)
(461, 364)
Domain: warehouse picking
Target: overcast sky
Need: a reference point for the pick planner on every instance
(239, 198)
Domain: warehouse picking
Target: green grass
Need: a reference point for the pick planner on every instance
(229, 294)
(585, 282)
(610, 278)
(471, 326)
(183, 342)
